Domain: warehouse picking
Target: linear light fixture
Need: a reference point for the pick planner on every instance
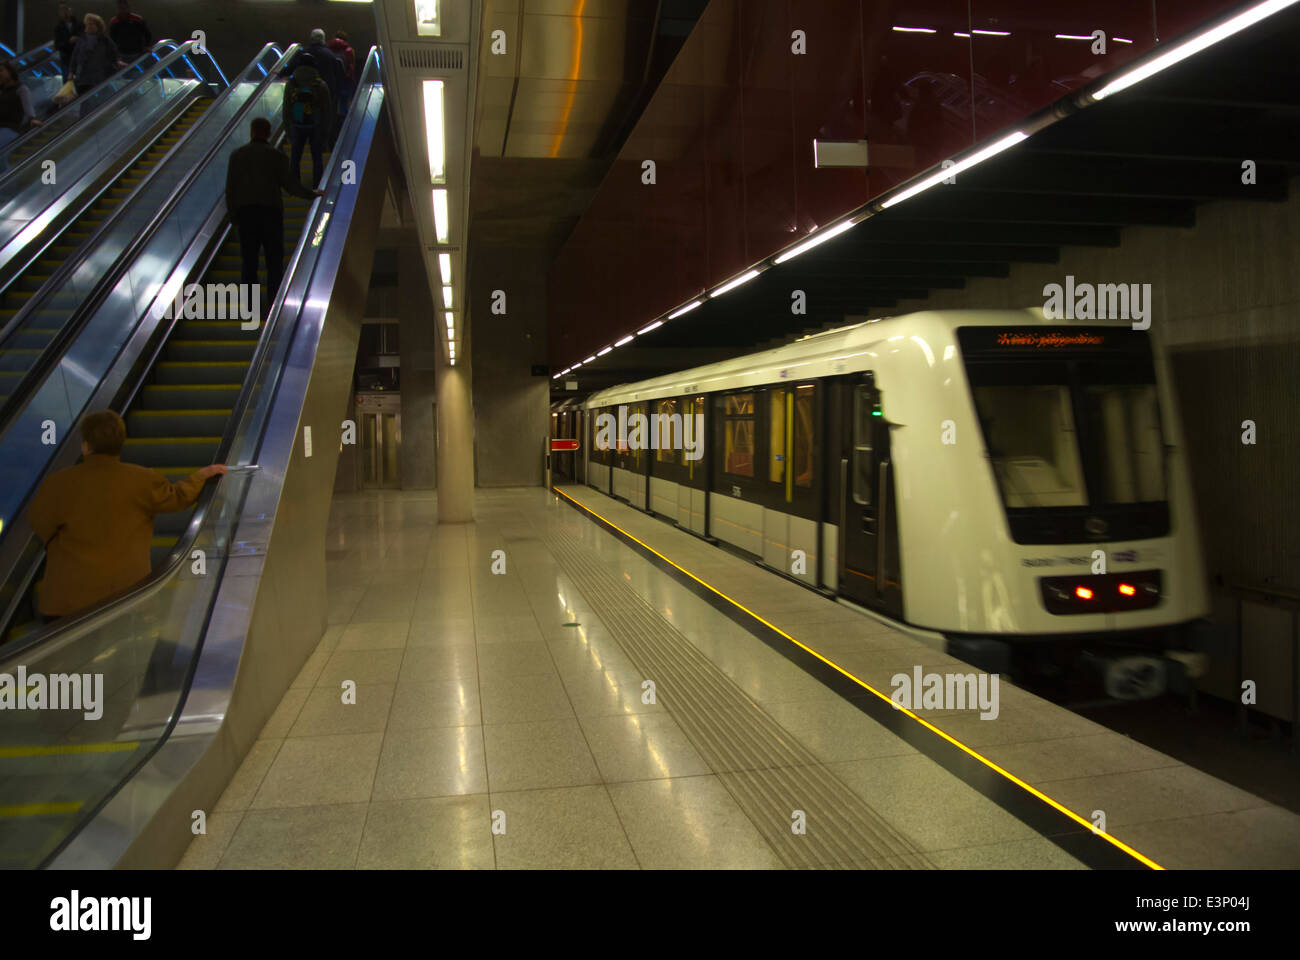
(993, 33)
(590, 359)
(1195, 45)
(451, 320)
(733, 284)
(654, 326)
(685, 310)
(818, 238)
(1072, 36)
(444, 267)
(605, 351)
(446, 297)
(913, 30)
(435, 131)
(624, 342)
(427, 21)
(441, 217)
(956, 33)
(943, 174)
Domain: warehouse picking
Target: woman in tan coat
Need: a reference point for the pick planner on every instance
(97, 518)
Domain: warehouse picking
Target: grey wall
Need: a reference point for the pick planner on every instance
(510, 405)
(1227, 311)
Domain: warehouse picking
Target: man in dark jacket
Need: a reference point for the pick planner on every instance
(254, 178)
(130, 32)
(66, 31)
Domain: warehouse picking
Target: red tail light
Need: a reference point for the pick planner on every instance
(1128, 590)
(1083, 593)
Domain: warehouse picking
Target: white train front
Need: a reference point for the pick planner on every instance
(1014, 484)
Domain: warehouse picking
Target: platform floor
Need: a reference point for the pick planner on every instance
(516, 701)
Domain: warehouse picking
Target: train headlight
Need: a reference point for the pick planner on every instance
(1128, 590)
(1083, 593)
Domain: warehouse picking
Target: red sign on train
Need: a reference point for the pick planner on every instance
(563, 446)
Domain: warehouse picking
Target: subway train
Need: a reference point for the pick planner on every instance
(1012, 488)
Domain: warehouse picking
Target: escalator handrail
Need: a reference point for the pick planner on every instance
(10, 653)
(49, 356)
(32, 58)
(147, 71)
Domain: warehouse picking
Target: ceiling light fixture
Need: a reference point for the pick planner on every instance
(441, 215)
(943, 174)
(733, 284)
(818, 238)
(686, 309)
(435, 131)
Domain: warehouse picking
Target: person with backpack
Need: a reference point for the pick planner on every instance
(308, 116)
(340, 47)
(328, 66)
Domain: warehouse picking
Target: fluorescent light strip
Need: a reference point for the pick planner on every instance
(1071, 36)
(993, 33)
(943, 174)
(605, 351)
(435, 131)
(451, 320)
(654, 326)
(441, 217)
(590, 359)
(727, 287)
(444, 267)
(685, 310)
(819, 237)
(913, 30)
(1121, 40)
(1194, 46)
(956, 34)
(446, 297)
(624, 342)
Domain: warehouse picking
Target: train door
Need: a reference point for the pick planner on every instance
(868, 539)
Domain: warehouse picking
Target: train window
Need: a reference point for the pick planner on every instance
(776, 435)
(669, 442)
(738, 434)
(863, 427)
(804, 434)
(1127, 441)
(1032, 441)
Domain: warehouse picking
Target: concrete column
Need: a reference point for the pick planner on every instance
(455, 440)
(418, 319)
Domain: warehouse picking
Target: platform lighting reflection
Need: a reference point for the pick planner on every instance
(654, 326)
(624, 342)
(913, 30)
(685, 310)
(817, 239)
(943, 174)
(1121, 39)
(1193, 46)
(444, 267)
(441, 217)
(732, 285)
(1072, 36)
(993, 33)
(435, 131)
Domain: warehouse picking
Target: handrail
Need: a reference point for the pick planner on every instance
(313, 225)
(147, 72)
(55, 348)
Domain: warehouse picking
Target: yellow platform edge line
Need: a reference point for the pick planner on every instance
(1034, 791)
(68, 749)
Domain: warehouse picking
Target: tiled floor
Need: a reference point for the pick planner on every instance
(498, 723)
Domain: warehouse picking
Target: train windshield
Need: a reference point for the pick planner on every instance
(1070, 420)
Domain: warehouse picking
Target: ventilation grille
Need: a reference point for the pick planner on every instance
(430, 56)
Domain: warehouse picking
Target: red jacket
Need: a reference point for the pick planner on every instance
(345, 53)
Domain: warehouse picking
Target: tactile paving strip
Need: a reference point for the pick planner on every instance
(767, 771)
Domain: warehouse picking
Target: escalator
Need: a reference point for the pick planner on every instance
(176, 422)
(18, 356)
(76, 791)
(167, 61)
